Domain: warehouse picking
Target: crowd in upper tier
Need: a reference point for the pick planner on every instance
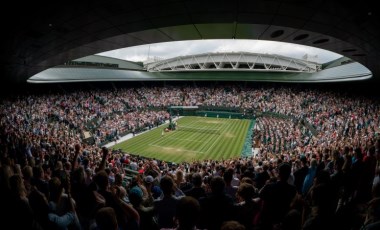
(317, 165)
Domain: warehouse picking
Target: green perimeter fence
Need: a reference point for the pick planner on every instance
(219, 114)
(212, 111)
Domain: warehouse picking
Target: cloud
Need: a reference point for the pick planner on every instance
(182, 48)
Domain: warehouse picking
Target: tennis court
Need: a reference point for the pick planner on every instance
(195, 138)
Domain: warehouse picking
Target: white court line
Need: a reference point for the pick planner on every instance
(205, 142)
(130, 135)
(196, 121)
(216, 140)
(207, 128)
(194, 134)
(156, 141)
(174, 138)
(220, 126)
(161, 139)
(185, 150)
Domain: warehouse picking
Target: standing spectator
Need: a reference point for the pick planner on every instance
(61, 204)
(18, 207)
(230, 190)
(322, 214)
(247, 210)
(127, 216)
(147, 221)
(165, 207)
(276, 198)
(300, 174)
(106, 219)
(216, 208)
(196, 191)
(308, 182)
(262, 177)
(187, 213)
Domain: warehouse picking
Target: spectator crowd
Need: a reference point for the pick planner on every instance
(317, 166)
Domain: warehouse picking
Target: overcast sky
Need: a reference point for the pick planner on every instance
(181, 48)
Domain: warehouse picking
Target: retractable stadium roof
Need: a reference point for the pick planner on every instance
(40, 35)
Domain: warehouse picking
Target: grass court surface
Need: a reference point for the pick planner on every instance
(197, 138)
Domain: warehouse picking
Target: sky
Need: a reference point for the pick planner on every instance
(181, 48)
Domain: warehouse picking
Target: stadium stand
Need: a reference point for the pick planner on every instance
(332, 171)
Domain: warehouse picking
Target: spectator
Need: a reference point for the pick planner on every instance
(147, 220)
(232, 225)
(196, 191)
(106, 219)
(247, 210)
(276, 198)
(165, 207)
(187, 213)
(216, 208)
(308, 182)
